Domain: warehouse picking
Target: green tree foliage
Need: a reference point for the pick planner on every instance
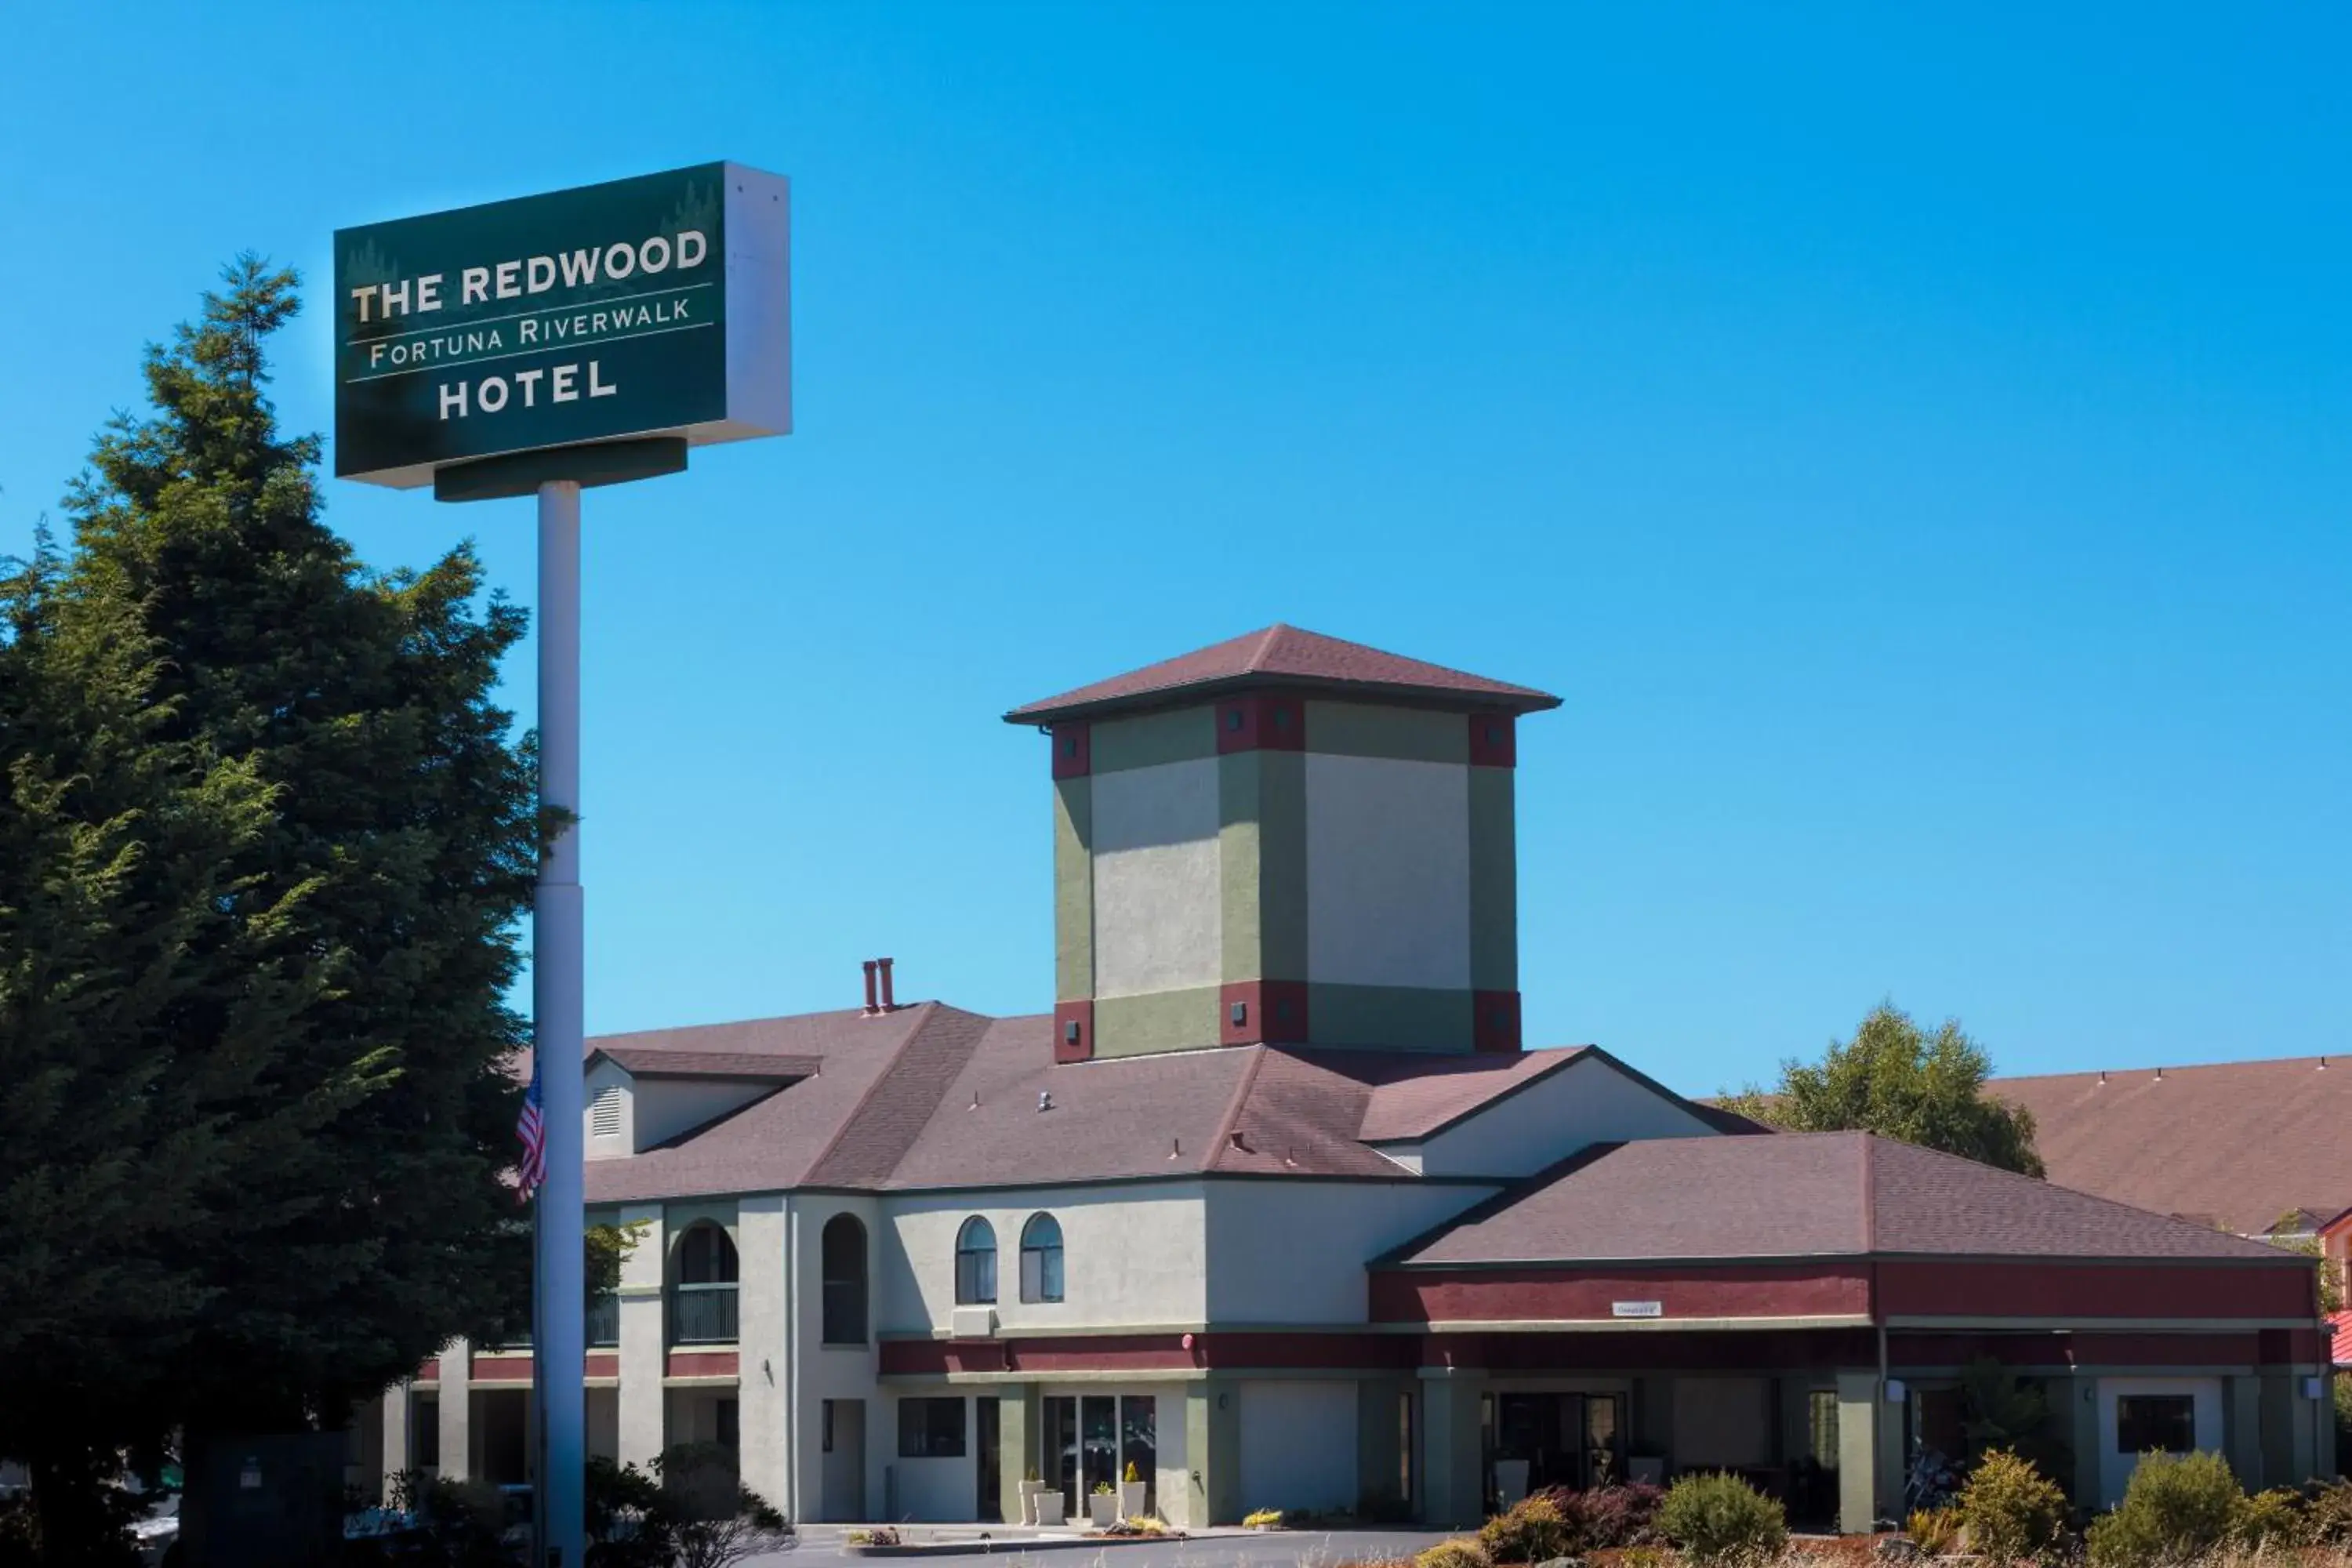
(267, 841)
(1896, 1080)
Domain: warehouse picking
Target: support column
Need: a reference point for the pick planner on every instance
(1862, 1433)
(2090, 1469)
(395, 1417)
(764, 1384)
(558, 1344)
(643, 1351)
(1017, 1447)
(1213, 1445)
(1452, 1482)
(2242, 1429)
(456, 1390)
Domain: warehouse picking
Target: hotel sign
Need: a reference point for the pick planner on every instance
(655, 306)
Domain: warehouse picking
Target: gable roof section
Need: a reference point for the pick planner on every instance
(640, 1061)
(1812, 1195)
(2234, 1144)
(1285, 656)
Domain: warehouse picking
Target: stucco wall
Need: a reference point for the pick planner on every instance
(1546, 1121)
(1298, 1445)
(1157, 893)
(1133, 1255)
(1388, 872)
(843, 1373)
(1293, 1251)
(663, 1108)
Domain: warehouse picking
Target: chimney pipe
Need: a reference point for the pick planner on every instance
(888, 1003)
(871, 1008)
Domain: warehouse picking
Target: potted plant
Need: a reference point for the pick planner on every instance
(1131, 1489)
(1102, 1503)
(1030, 1488)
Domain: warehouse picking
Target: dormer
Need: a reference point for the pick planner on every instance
(640, 1097)
(1285, 839)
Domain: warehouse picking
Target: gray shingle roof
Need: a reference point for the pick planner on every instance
(1802, 1195)
(1285, 656)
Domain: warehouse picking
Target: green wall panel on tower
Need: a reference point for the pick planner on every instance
(1162, 1021)
(1389, 1018)
(1282, 866)
(1073, 889)
(1148, 739)
(1240, 838)
(1494, 881)
(1403, 734)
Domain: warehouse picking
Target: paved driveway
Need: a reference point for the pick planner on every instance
(820, 1547)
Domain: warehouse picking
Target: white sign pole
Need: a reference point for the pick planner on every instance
(557, 1024)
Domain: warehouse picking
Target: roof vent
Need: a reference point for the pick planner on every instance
(2160, 1075)
(605, 1112)
(1045, 1100)
(1175, 1148)
(1236, 1137)
(2323, 1064)
(2103, 1075)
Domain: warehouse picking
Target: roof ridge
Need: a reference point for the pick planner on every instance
(1266, 641)
(1232, 1116)
(841, 1129)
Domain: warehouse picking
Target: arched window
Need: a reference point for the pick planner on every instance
(844, 1263)
(975, 1263)
(1041, 1258)
(702, 1301)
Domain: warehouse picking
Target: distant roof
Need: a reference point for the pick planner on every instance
(1802, 1194)
(2233, 1144)
(1286, 656)
(934, 1097)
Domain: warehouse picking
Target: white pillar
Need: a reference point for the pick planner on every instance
(764, 1383)
(638, 1403)
(455, 1434)
(557, 1026)
(396, 1452)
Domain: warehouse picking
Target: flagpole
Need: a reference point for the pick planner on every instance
(559, 1304)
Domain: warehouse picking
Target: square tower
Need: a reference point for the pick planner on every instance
(1288, 839)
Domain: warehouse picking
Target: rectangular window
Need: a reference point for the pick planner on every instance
(930, 1428)
(1405, 1448)
(424, 1431)
(730, 1424)
(2159, 1423)
(825, 1443)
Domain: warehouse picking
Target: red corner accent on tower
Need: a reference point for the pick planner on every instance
(1262, 1012)
(1261, 722)
(1495, 1022)
(1074, 753)
(1493, 741)
(1074, 1030)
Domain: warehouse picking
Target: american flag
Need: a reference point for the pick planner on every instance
(532, 1130)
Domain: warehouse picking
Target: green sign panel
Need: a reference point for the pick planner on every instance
(655, 306)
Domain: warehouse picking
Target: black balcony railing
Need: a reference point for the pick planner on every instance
(702, 1315)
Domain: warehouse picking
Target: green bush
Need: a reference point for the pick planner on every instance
(1934, 1531)
(1531, 1530)
(2328, 1516)
(1460, 1552)
(2274, 1519)
(1712, 1517)
(2178, 1507)
(2012, 1513)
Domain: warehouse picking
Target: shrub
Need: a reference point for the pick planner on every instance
(1463, 1552)
(2013, 1513)
(2177, 1506)
(1934, 1531)
(1712, 1517)
(1616, 1516)
(1530, 1530)
(2328, 1516)
(2274, 1519)
(1262, 1519)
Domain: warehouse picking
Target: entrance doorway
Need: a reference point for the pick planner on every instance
(843, 1440)
(1539, 1440)
(991, 1505)
(1088, 1441)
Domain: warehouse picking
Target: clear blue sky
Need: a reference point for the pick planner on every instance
(1917, 450)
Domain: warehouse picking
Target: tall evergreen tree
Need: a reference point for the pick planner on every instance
(314, 982)
(1897, 1079)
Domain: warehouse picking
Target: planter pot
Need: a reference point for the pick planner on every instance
(1030, 1492)
(1131, 1498)
(1050, 1507)
(1102, 1507)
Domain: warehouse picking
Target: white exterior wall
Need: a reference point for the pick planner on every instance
(661, 1109)
(821, 1372)
(934, 1490)
(1388, 872)
(765, 1416)
(1158, 885)
(1585, 1102)
(2116, 1469)
(1293, 1251)
(1298, 1445)
(1133, 1255)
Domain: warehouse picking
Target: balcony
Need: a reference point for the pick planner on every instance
(702, 1314)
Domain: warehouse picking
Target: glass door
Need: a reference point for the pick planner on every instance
(1138, 1442)
(1058, 1450)
(1098, 1416)
(991, 1459)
